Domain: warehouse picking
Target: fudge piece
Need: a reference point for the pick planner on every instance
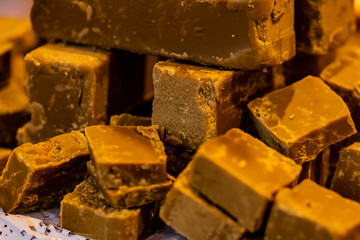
(302, 119)
(346, 178)
(37, 176)
(5, 59)
(4, 156)
(309, 211)
(342, 76)
(86, 212)
(127, 155)
(13, 112)
(318, 31)
(194, 103)
(191, 215)
(67, 89)
(240, 174)
(126, 119)
(135, 196)
(232, 34)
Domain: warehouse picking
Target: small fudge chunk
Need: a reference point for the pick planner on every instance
(194, 103)
(343, 77)
(4, 156)
(37, 176)
(232, 34)
(240, 174)
(193, 216)
(135, 196)
(346, 178)
(310, 211)
(67, 89)
(5, 62)
(127, 155)
(317, 31)
(86, 212)
(13, 112)
(302, 119)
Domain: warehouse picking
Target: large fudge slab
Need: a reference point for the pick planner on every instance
(85, 211)
(37, 176)
(240, 174)
(318, 31)
(302, 119)
(194, 103)
(309, 211)
(67, 89)
(346, 178)
(127, 155)
(136, 196)
(232, 34)
(191, 215)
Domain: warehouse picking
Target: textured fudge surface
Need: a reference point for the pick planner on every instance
(233, 34)
(302, 119)
(240, 174)
(67, 89)
(37, 176)
(194, 103)
(127, 155)
(193, 216)
(309, 211)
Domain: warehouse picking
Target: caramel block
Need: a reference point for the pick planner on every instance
(240, 174)
(309, 211)
(302, 119)
(13, 112)
(127, 155)
(342, 76)
(346, 179)
(5, 59)
(232, 34)
(126, 119)
(67, 87)
(127, 197)
(194, 103)
(323, 25)
(4, 156)
(193, 216)
(37, 176)
(85, 212)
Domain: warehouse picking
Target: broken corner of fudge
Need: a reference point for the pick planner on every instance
(302, 119)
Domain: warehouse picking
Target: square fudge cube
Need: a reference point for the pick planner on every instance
(194, 103)
(310, 211)
(302, 119)
(240, 174)
(67, 89)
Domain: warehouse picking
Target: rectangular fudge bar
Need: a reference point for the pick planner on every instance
(127, 155)
(309, 211)
(231, 34)
(241, 174)
(37, 176)
(193, 216)
(135, 196)
(302, 119)
(85, 211)
(194, 103)
(323, 25)
(67, 89)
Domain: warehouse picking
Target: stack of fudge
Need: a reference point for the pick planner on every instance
(254, 110)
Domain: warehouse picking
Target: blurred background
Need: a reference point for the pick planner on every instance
(15, 8)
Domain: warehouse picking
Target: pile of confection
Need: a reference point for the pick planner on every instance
(222, 119)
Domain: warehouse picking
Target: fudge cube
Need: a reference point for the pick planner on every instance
(302, 119)
(193, 216)
(346, 178)
(194, 103)
(85, 211)
(231, 34)
(310, 211)
(127, 155)
(38, 176)
(318, 31)
(240, 174)
(67, 89)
